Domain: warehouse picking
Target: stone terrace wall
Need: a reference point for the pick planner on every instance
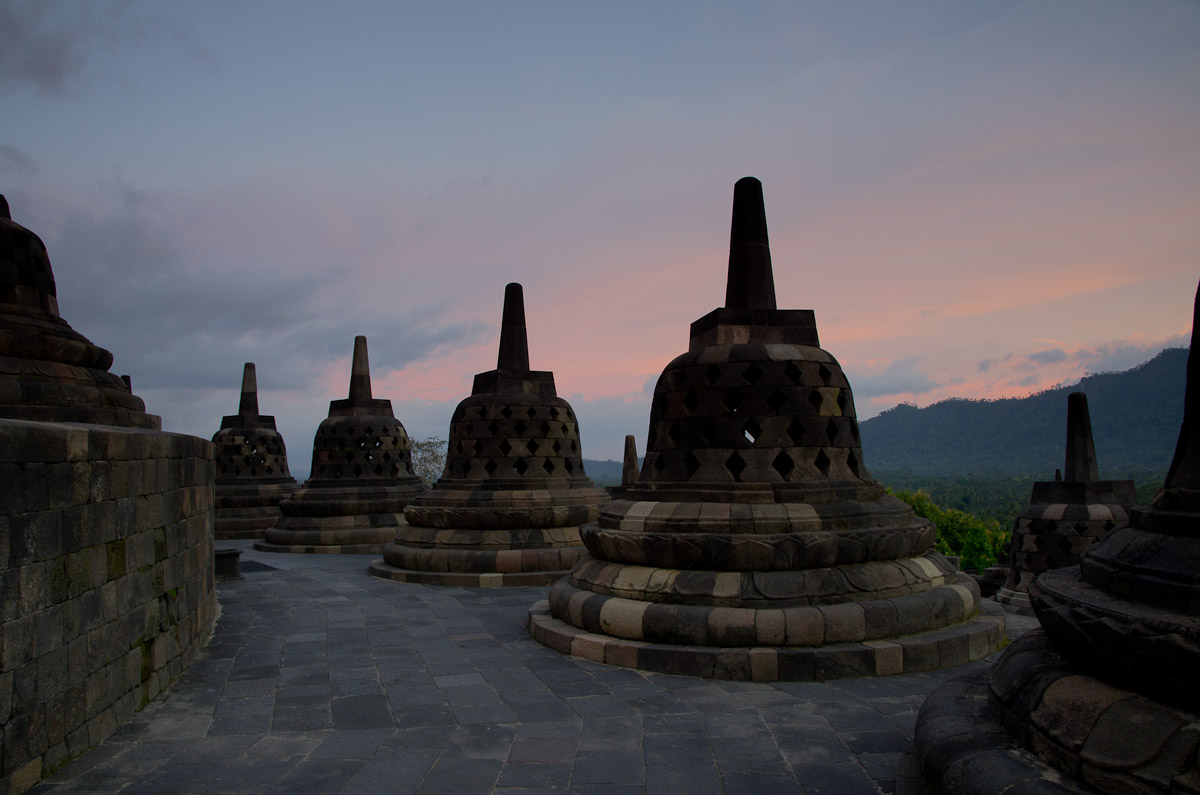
(106, 581)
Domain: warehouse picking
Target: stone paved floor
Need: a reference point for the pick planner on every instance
(322, 679)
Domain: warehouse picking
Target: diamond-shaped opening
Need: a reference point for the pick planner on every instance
(732, 400)
(852, 462)
(378, 442)
(493, 427)
(795, 432)
(253, 450)
(752, 374)
(691, 401)
(520, 426)
(751, 430)
(854, 434)
(521, 466)
(712, 373)
(691, 464)
(776, 400)
(735, 465)
(531, 412)
(490, 466)
(815, 399)
(545, 427)
(369, 431)
(379, 470)
(554, 412)
(793, 373)
(675, 434)
(548, 466)
(1051, 526)
(709, 431)
(478, 447)
(362, 444)
(505, 447)
(570, 415)
(822, 462)
(574, 446)
(831, 431)
(824, 373)
(369, 457)
(558, 447)
(357, 471)
(337, 471)
(566, 431)
(841, 401)
(783, 464)
(570, 466)
(387, 456)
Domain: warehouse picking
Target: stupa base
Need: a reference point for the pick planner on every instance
(1034, 717)
(1015, 602)
(466, 579)
(970, 640)
(363, 540)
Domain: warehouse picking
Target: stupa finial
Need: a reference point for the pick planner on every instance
(514, 340)
(1081, 450)
(1185, 468)
(249, 404)
(751, 284)
(360, 371)
(629, 470)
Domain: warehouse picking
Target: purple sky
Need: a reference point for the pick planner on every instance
(978, 199)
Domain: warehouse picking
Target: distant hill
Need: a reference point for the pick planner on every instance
(1135, 421)
(603, 473)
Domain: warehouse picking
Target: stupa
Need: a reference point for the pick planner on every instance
(361, 479)
(1065, 516)
(508, 506)
(252, 468)
(755, 544)
(1104, 697)
(48, 371)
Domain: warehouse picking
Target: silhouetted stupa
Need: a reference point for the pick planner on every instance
(361, 477)
(252, 468)
(755, 545)
(48, 371)
(1104, 697)
(507, 509)
(1064, 517)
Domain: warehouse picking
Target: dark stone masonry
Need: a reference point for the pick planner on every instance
(106, 559)
(252, 468)
(361, 479)
(1064, 516)
(755, 544)
(1104, 697)
(507, 509)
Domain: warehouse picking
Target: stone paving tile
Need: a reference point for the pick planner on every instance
(321, 678)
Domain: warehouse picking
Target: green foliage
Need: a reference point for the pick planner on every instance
(428, 457)
(978, 543)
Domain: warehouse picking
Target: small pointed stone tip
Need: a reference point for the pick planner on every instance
(1184, 471)
(514, 339)
(249, 404)
(4, 213)
(1081, 449)
(750, 283)
(360, 371)
(629, 468)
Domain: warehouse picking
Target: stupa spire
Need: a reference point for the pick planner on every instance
(514, 340)
(360, 371)
(1185, 469)
(629, 469)
(249, 405)
(1081, 450)
(751, 284)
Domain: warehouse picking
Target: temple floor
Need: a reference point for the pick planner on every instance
(321, 678)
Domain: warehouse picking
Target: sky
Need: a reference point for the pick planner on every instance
(977, 199)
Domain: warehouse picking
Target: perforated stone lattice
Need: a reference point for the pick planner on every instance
(257, 455)
(504, 440)
(743, 415)
(352, 448)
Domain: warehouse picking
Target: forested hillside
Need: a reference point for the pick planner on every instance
(1135, 421)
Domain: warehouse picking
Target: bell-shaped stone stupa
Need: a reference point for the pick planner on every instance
(1064, 516)
(48, 371)
(755, 545)
(508, 506)
(252, 468)
(1104, 697)
(361, 478)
